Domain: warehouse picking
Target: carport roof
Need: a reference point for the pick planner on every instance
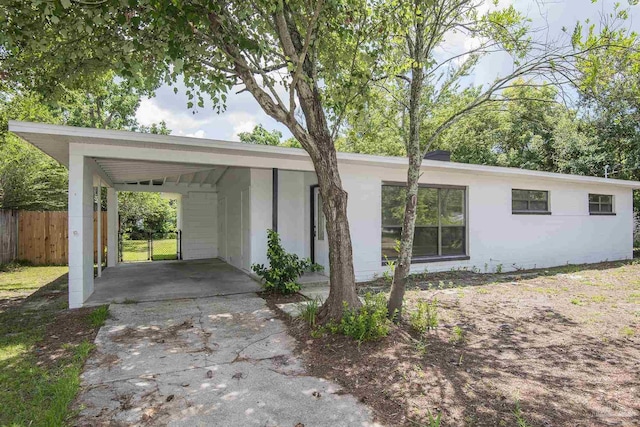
(55, 139)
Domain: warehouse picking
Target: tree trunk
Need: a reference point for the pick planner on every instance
(315, 138)
(342, 284)
(403, 264)
(342, 288)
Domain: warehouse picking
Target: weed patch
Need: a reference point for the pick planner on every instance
(308, 311)
(98, 316)
(627, 331)
(425, 316)
(457, 335)
(370, 323)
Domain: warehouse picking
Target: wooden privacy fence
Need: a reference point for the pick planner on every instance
(43, 237)
(8, 235)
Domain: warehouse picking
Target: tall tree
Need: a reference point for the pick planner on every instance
(104, 103)
(297, 59)
(425, 81)
(608, 81)
(31, 180)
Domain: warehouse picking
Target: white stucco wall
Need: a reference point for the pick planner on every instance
(291, 207)
(230, 189)
(495, 235)
(80, 229)
(293, 211)
(199, 225)
(261, 214)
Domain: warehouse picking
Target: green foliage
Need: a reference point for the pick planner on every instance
(627, 331)
(142, 212)
(284, 268)
(260, 136)
(308, 311)
(434, 421)
(387, 274)
(31, 180)
(425, 316)
(370, 323)
(457, 335)
(520, 419)
(35, 393)
(159, 42)
(98, 316)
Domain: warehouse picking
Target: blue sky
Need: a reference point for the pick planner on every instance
(243, 112)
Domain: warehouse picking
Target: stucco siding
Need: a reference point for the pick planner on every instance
(230, 188)
(496, 237)
(199, 225)
(291, 208)
(261, 184)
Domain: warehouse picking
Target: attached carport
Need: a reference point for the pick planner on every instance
(226, 196)
(169, 280)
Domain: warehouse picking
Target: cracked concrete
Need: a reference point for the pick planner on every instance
(223, 361)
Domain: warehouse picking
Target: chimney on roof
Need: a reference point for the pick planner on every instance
(440, 155)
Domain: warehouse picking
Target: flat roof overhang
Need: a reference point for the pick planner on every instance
(168, 151)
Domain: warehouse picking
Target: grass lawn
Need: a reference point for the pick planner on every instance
(43, 346)
(137, 250)
(555, 347)
(18, 282)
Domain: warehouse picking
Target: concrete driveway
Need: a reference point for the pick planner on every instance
(168, 280)
(220, 361)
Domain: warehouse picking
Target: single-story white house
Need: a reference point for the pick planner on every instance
(470, 216)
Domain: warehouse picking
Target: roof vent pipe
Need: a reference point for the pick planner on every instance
(440, 155)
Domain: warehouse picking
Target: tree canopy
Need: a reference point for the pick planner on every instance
(30, 179)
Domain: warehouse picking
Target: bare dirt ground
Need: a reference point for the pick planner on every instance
(557, 347)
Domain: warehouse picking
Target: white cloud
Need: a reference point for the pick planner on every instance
(242, 122)
(197, 134)
(178, 121)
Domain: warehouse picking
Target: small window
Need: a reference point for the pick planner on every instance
(600, 204)
(529, 201)
(320, 219)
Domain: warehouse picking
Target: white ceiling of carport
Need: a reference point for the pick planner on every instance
(140, 171)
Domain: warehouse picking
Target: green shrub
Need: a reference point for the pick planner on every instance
(284, 268)
(425, 316)
(367, 324)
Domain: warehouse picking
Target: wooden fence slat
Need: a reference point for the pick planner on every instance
(8, 236)
(41, 237)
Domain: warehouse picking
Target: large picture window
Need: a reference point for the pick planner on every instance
(440, 222)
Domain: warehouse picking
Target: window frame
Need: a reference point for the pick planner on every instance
(439, 257)
(600, 204)
(529, 211)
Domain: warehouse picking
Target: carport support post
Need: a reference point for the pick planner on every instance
(112, 227)
(80, 228)
(274, 201)
(99, 225)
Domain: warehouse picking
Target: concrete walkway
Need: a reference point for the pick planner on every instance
(221, 361)
(167, 280)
